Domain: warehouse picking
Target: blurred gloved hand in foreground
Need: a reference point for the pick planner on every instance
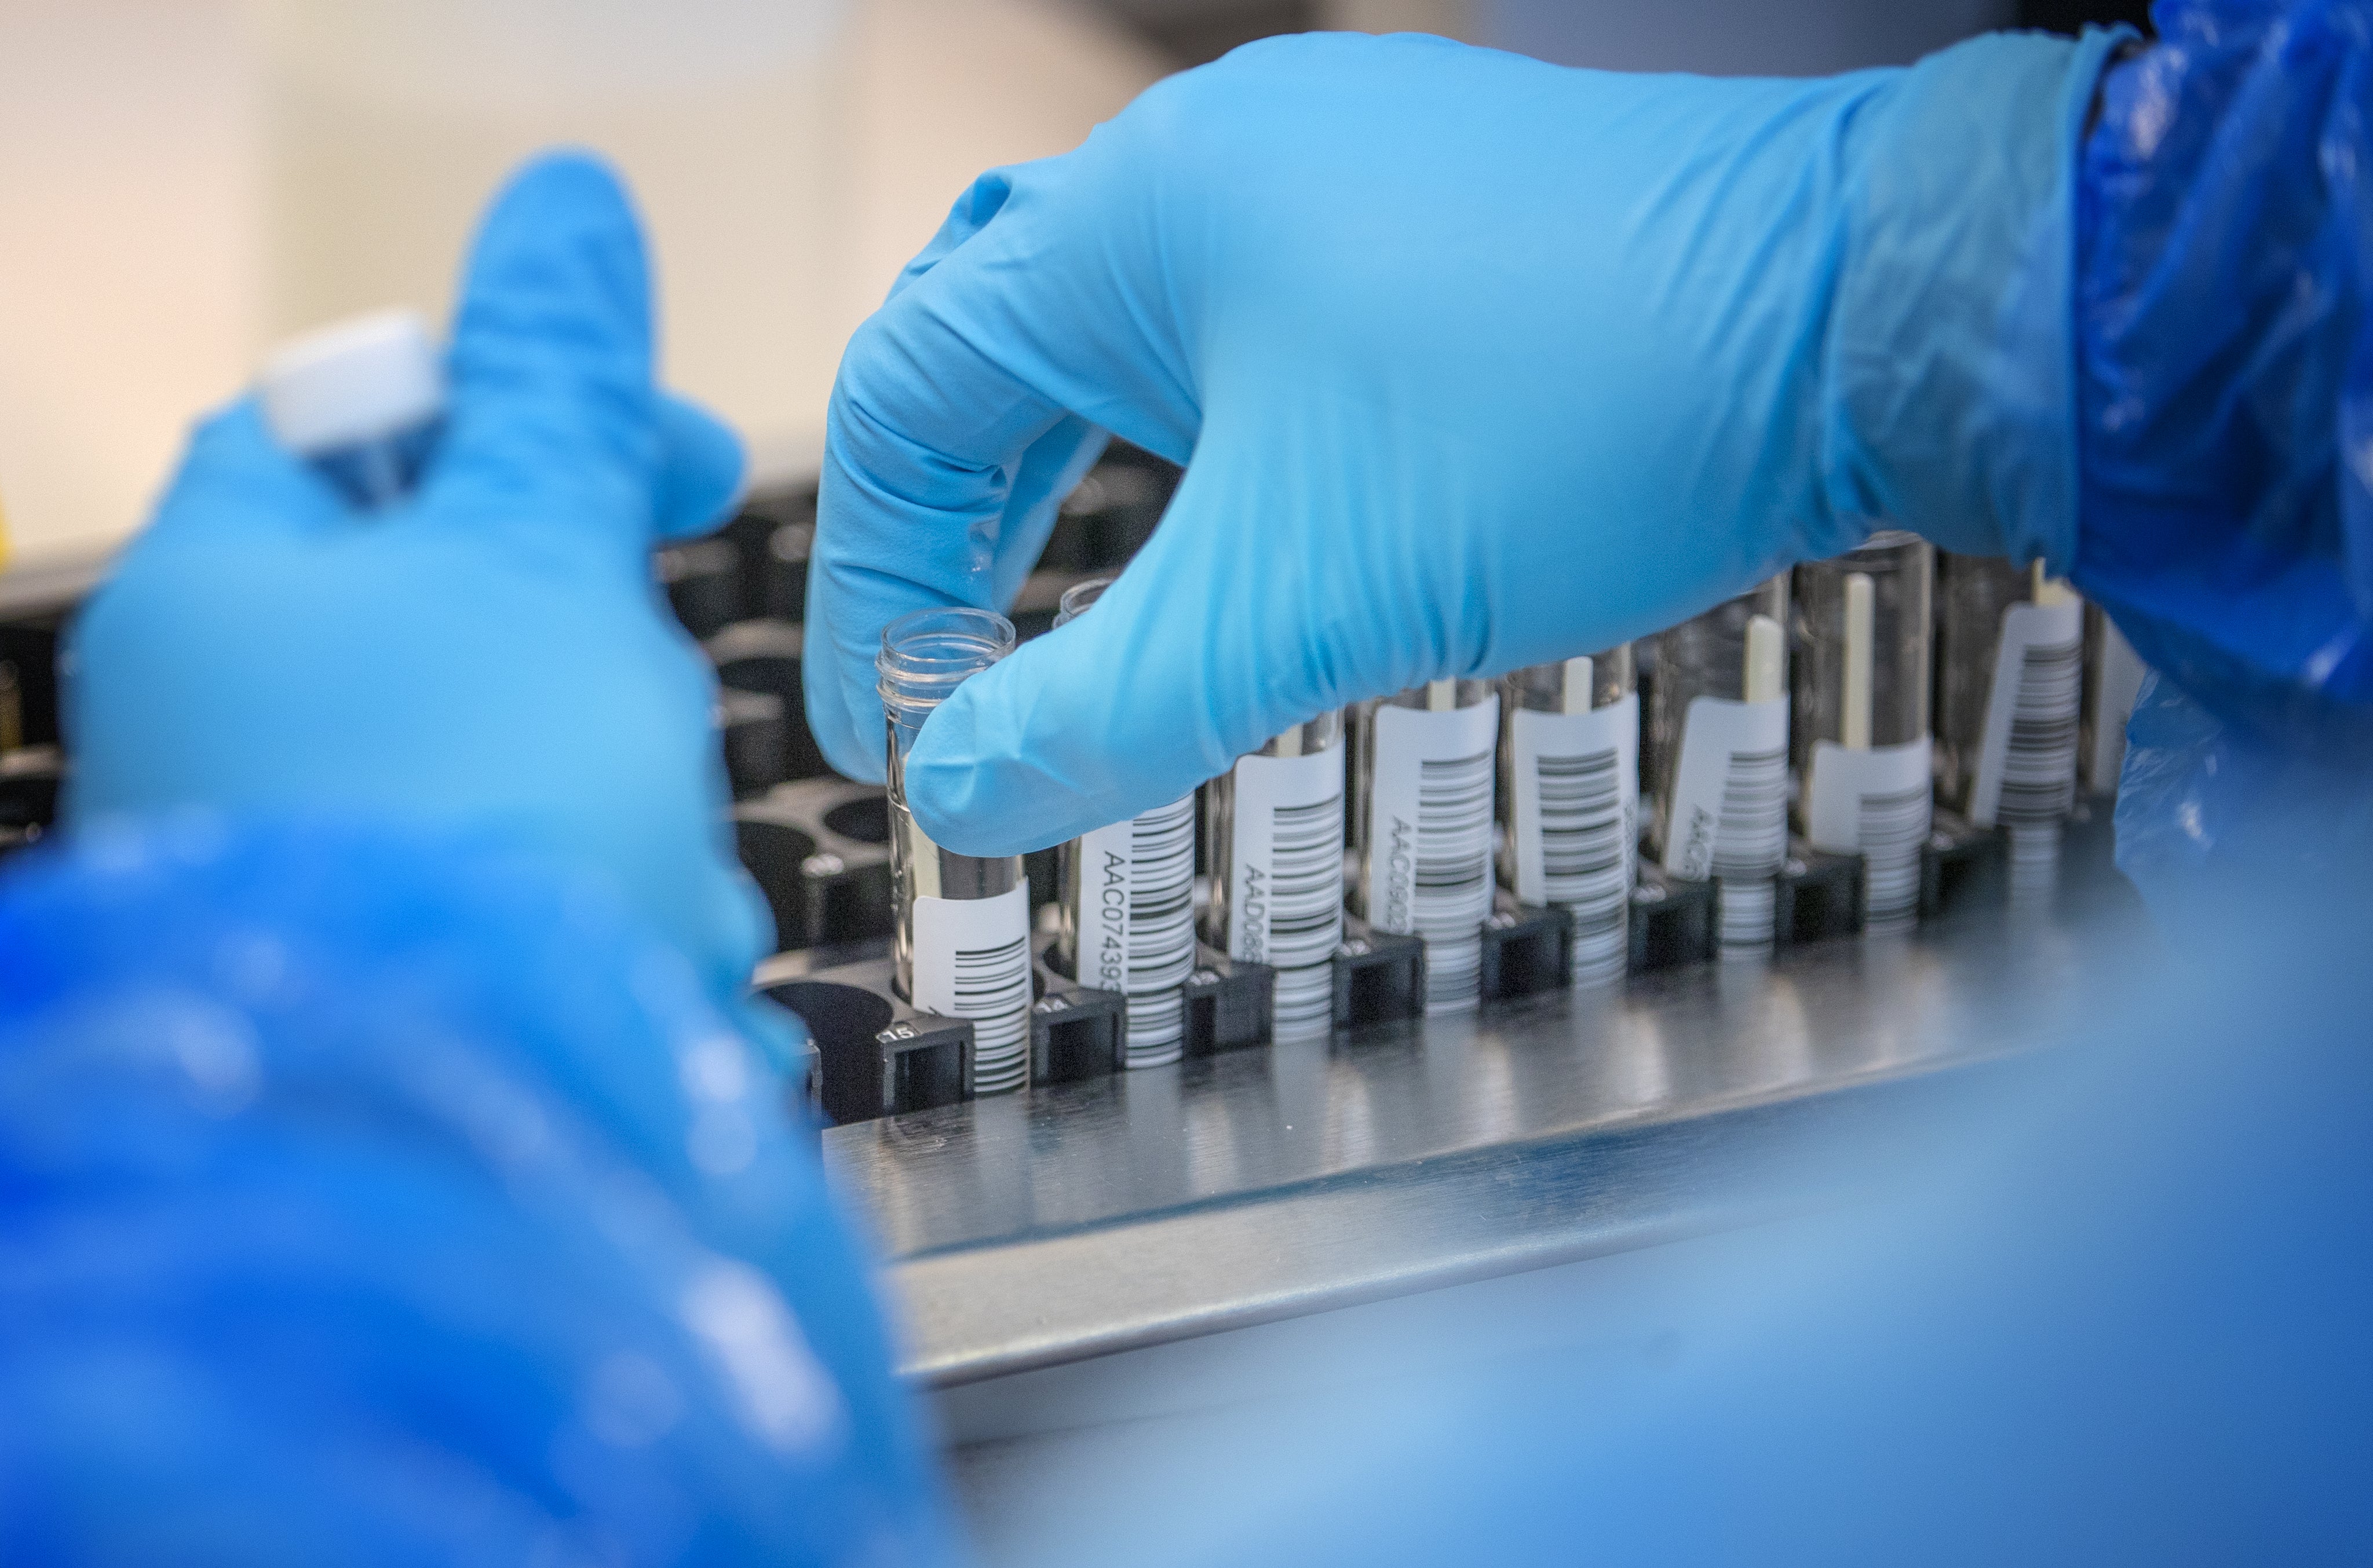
(1481, 362)
(488, 654)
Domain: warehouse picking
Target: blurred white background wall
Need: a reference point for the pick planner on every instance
(182, 181)
(131, 274)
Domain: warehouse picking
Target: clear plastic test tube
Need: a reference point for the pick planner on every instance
(1422, 816)
(1861, 721)
(1570, 799)
(1718, 758)
(362, 400)
(2010, 655)
(2114, 678)
(1273, 824)
(1128, 906)
(962, 945)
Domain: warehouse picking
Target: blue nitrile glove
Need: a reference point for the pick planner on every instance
(379, 1197)
(1481, 362)
(490, 652)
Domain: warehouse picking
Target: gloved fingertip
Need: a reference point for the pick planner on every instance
(570, 190)
(701, 469)
(981, 201)
(557, 274)
(237, 433)
(235, 470)
(975, 785)
(554, 415)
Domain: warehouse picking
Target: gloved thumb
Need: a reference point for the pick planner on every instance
(1214, 640)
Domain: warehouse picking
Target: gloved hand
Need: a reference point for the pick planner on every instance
(490, 654)
(1481, 362)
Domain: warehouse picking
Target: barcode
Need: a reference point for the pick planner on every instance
(992, 988)
(1304, 889)
(1305, 1002)
(1890, 827)
(1582, 835)
(1160, 931)
(1450, 890)
(1751, 838)
(1746, 911)
(2038, 779)
(1585, 858)
(2034, 861)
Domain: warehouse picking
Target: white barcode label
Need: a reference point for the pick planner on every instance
(1876, 804)
(1134, 923)
(1573, 821)
(972, 960)
(2026, 759)
(1429, 871)
(2034, 861)
(1574, 800)
(1729, 812)
(1285, 878)
(1747, 916)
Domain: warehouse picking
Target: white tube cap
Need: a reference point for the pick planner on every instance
(359, 381)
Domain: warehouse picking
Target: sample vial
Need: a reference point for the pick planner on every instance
(1718, 758)
(2114, 678)
(2010, 648)
(962, 944)
(1860, 722)
(1570, 799)
(1128, 906)
(1274, 826)
(1421, 826)
(362, 401)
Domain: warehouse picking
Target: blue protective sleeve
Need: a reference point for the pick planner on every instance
(375, 1199)
(2225, 377)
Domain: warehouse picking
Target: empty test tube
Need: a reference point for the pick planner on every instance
(1718, 758)
(2010, 648)
(1860, 722)
(361, 400)
(1570, 799)
(1128, 906)
(1426, 762)
(962, 945)
(1273, 824)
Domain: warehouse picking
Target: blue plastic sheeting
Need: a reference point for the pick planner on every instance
(374, 1200)
(2225, 371)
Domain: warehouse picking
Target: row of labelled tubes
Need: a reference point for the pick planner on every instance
(1912, 678)
(1805, 702)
